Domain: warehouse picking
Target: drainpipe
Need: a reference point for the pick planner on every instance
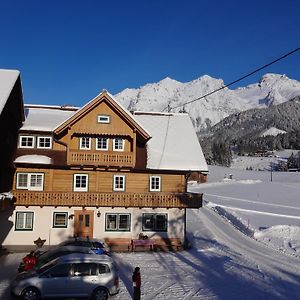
(185, 241)
(186, 176)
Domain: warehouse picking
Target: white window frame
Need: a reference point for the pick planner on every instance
(117, 228)
(114, 144)
(115, 186)
(83, 147)
(44, 137)
(25, 214)
(26, 136)
(104, 119)
(80, 189)
(154, 178)
(107, 143)
(29, 185)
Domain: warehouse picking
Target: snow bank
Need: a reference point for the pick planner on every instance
(282, 237)
(232, 218)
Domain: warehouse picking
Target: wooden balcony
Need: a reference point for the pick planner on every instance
(100, 158)
(166, 200)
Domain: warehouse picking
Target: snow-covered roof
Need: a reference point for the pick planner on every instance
(34, 159)
(174, 144)
(45, 118)
(7, 81)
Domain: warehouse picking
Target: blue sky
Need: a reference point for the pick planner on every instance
(68, 51)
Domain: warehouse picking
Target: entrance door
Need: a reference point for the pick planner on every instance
(83, 223)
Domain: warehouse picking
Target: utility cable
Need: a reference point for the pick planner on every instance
(235, 81)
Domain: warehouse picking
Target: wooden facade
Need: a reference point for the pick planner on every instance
(96, 161)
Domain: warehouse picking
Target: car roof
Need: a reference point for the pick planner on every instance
(83, 239)
(70, 248)
(82, 257)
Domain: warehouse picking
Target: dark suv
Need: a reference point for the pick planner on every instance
(96, 245)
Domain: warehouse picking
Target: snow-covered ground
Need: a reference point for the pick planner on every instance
(261, 163)
(267, 210)
(225, 262)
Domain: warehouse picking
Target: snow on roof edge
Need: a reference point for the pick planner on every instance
(34, 159)
(59, 107)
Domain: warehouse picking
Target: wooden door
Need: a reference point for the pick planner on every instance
(83, 223)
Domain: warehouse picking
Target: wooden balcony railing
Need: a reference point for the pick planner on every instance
(100, 158)
(167, 200)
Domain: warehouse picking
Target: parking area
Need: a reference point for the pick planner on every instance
(165, 275)
(152, 269)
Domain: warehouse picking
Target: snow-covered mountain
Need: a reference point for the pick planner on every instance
(272, 89)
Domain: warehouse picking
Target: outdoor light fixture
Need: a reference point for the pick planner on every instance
(98, 214)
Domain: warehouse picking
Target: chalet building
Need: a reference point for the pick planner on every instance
(103, 172)
(11, 119)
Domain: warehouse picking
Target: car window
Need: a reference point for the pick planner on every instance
(46, 267)
(62, 270)
(50, 256)
(103, 268)
(85, 269)
(98, 245)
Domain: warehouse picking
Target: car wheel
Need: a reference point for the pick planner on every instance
(100, 294)
(31, 293)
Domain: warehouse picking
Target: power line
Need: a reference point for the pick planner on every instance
(235, 81)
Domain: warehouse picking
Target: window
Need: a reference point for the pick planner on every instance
(30, 181)
(60, 219)
(85, 143)
(81, 182)
(119, 182)
(26, 141)
(103, 269)
(85, 269)
(62, 270)
(155, 183)
(118, 144)
(103, 119)
(24, 220)
(44, 142)
(102, 143)
(117, 222)
(155, 222)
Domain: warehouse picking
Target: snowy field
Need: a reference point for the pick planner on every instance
(261, 163)
(268, 210)
(225, 261)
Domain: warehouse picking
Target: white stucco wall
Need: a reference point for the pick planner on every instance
(43, 224)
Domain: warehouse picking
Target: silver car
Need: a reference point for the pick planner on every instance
(72, 275)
